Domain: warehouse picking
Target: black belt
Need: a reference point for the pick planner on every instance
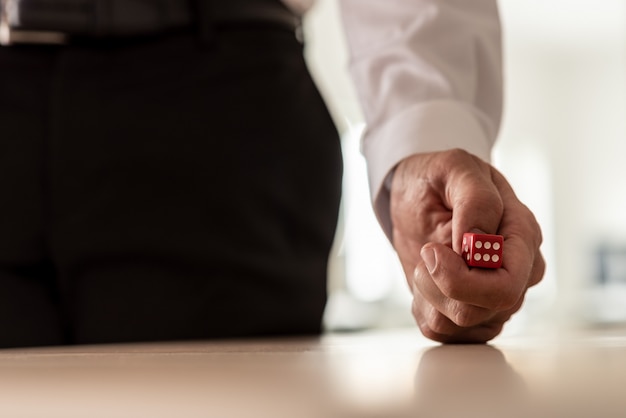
(56, 21)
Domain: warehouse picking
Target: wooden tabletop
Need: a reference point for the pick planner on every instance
(380, 374)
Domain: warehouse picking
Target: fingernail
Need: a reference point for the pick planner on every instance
(428, 255)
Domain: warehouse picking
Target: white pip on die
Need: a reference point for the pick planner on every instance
(482, 250)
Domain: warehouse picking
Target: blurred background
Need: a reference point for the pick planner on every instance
(562, 146)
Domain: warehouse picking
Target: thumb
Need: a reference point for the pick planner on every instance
(441, 261)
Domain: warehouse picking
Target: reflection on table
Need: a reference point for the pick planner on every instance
(383, 374)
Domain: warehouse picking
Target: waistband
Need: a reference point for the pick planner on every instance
(57, 21)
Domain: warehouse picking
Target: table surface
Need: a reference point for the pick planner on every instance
(378, 374)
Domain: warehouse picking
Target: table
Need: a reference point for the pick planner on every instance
(376, 374)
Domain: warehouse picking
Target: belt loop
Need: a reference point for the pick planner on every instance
(202, 17)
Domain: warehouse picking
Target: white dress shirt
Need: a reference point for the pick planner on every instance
(429, 77)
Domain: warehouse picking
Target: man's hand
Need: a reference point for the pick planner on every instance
(435, 198)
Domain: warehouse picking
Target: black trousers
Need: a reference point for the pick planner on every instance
(160, 189)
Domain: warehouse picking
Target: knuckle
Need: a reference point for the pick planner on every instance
(427, 326)
(483, 199)
(538, 233)
(467, 317)
(538, 271)
(457, 154)
(428, 333)
(438, 323)
(417, 314)
(534, 228)
(505, 301)
(436, 327)
(450, 289)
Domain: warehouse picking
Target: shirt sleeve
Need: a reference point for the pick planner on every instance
(429, 78)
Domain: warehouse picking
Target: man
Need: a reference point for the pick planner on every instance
(170, 172)
(429, 76)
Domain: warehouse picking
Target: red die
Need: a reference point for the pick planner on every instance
(482, 250)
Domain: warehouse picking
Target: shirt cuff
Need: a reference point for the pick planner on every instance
(426, 127)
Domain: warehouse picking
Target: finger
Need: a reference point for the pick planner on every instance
(432, 323)
(458, 313)
(539, 269)
(447, 332)
(475, 335)
(492, 289)
(522, 259)
(437, 327)
(522, 235)
(473, 197)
